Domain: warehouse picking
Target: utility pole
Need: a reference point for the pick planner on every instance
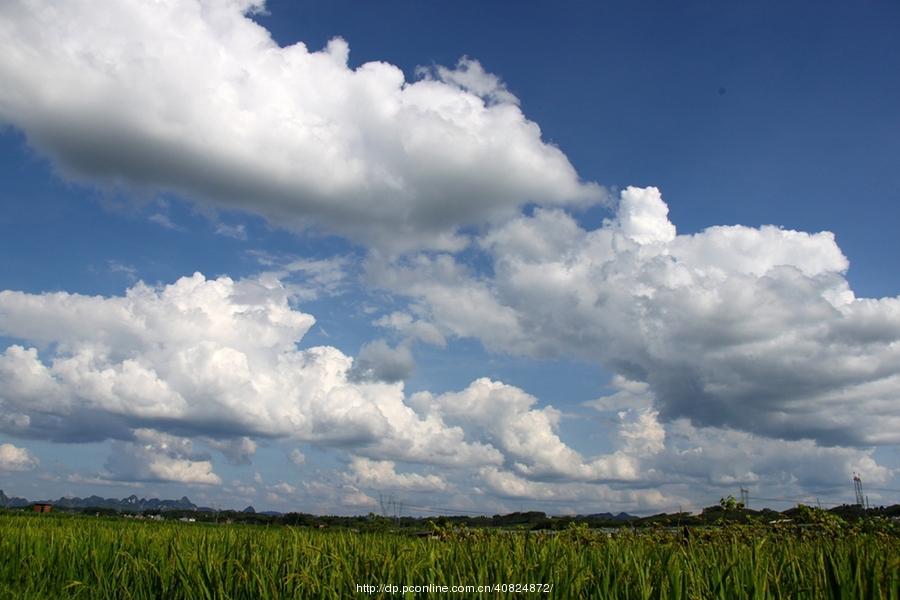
(745, 497)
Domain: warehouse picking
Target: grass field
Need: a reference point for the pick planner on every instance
(68, 556)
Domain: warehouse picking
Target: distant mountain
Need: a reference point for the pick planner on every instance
(249, 509)
(611, 517)
(130, 504)
(14, 502)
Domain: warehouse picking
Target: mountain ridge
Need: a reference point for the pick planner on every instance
(130, 504)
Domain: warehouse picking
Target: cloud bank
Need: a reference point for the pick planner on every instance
(193, 97)
(754, 329)
(217, 361)
(740, 354)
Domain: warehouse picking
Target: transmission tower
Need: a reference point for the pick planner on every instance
(387, 504)
(857, 488)
(390, 507)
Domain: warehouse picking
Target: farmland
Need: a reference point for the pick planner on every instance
(79, 556)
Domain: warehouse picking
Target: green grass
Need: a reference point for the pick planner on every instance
(64, 556)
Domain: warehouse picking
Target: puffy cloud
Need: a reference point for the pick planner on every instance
(412, 329)
(710, 461)
(354, 498)
(156, 456)
(382, 475)
(306, 279)
(727, 457)
(297, 457)
(13, 458)
(735, 327)
(216, 364)
(240, 488)
(509, 485)
(192, 96)
(283, 488)
(643, 434)
(470, 76)
(377, 361)
(216, 359)
(238, 451)
(527, 436)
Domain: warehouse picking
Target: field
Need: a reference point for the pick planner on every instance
(69, 556)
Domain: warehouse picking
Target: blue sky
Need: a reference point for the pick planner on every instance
(483, 226)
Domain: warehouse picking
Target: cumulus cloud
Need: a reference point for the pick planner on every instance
(412, 329)
(171, 372)
(382, 475)
(156, 456)
(470, 76)
(217, 362)
(754, 329)
(213, 359)
(13, 458)
(283, 488)
(680, 452)
(305, 278)
(526, 435)
(297, 457)
(193, 97)
(506, 484)
(238, 451)
(377, 361)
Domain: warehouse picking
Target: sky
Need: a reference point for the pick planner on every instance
(470, 257)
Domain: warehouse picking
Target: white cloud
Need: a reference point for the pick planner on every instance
(382, 475)
(412, 329)
(216, 364)
(304, 278)
(163, 220)
(127, 271)
(210, 358)
(283, 488)
(509, 485)
(643, 434)
(156, 456)
(194, 97)
(13, 458)
(377, 361)
(238, 232)
(238, 451)
(708, 459)
(718, 456)
(737, 327)
(470, 76)
(356, 499)
(526, 435)
(297, 457)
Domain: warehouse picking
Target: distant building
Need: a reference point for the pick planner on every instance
(42, 507)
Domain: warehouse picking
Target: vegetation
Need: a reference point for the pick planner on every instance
(79, 556)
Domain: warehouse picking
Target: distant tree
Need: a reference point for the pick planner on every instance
(730, 504)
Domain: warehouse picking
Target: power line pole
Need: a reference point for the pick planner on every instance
(745, 497)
